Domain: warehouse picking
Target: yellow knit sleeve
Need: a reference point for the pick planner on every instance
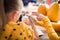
(56, 26)
(39, 23)
(50, 30)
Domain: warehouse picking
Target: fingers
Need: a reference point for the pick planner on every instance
(34, 19)
(40, 17)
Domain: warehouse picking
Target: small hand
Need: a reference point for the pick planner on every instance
(39, 16)
(36, 38)
(34, 19)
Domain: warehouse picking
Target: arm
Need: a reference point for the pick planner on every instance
(49, 28)
(56, 26)
(39, 23)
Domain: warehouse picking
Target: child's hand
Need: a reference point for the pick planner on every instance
(36, 38)
(44, 19)
(39, 16)
(34, 19)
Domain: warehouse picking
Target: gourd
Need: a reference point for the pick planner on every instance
(42, 9)
(54, 12)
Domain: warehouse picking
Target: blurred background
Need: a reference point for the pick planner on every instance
(32, 5)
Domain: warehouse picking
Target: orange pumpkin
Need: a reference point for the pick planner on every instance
(54, 12)
(42, 9)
